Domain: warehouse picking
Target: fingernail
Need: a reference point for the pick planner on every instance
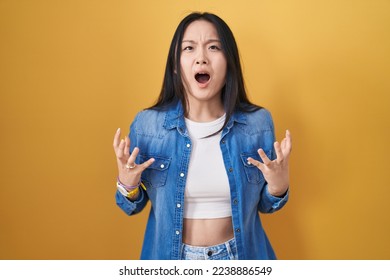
(119, 129)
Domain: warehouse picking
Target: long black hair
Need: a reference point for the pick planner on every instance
(234, 97)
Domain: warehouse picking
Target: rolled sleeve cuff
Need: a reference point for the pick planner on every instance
(274, 203)
(128, 206)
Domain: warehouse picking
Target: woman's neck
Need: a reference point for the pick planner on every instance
(205, 112)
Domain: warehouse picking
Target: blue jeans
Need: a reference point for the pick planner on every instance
(224, 251)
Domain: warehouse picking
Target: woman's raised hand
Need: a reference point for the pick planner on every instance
(129, 171)
(276, 172)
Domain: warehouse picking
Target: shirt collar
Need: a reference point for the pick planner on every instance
(174, 117)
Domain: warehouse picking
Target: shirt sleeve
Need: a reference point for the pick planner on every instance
(131, 207)
(269, 203)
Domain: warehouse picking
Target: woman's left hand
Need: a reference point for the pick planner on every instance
(276, 171)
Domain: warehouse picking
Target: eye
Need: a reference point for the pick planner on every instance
(214, 48)
(188, 48)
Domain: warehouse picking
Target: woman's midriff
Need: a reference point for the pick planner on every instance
(207, 232)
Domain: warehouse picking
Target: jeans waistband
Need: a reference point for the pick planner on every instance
(225, 250)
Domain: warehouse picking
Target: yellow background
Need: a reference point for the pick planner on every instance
(72, 72)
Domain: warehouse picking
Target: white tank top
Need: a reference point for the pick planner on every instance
(207, 191)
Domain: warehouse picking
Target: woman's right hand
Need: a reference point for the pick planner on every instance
(129, 172)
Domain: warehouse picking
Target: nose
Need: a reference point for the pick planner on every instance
(201, 59)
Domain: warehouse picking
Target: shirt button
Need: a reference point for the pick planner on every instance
(235, 202)
(162, 165)
(177, 232)
(178, 205)
(181, 174)
(238, 230)
(223, 141)
(188, 145)
(230, 169)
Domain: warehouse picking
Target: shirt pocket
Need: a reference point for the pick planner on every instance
(155, 176)
(253, 174)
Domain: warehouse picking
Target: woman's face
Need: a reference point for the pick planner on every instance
(203, 63)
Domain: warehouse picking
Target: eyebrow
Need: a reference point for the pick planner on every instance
(208, 41)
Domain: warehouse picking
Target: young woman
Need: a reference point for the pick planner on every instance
(204, 155)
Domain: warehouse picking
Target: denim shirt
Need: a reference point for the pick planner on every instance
(164, 136)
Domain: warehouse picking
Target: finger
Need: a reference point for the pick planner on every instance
(146, 164)
(264, 157)
(287, 144)
(133, 156)
(117, 138)
(119, 151)
(289, 139)
(278, 150)
(256, 163)
(127, 146)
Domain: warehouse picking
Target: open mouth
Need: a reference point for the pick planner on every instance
(202, 78)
